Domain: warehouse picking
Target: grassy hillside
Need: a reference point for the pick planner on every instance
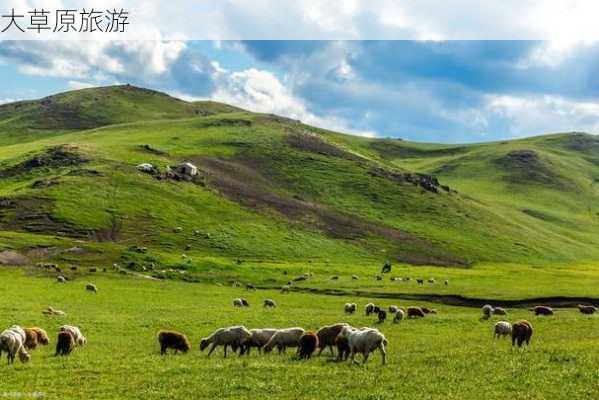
(451, 355)
(272, 191)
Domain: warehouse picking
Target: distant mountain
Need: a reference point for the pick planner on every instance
(271, 188)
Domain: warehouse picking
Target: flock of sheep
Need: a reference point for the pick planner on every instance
(18, 341)
(348, 340)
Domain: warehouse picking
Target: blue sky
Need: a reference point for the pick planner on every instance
(440, 91)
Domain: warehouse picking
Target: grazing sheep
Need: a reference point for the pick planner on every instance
(393, 309)
(426, 310)
(12, 341)
(53, 311)
(269, 303)
(237, 303)
(284, 338)
(420, 281)
(350, 308)
(376, 309)
(499, 311)
(415, 312)
(382, 316)
(343, 349)
(308, 343)
(369, 308)
(34, 337)
(354, 277)
(587, 309)
(173, 340)
(61, 279)
(487, 310)
(285, 289)
(65, 344)
(399, 315)
(80, 340)
(364, 341)
(93, 270)
(502, 328)
(334, 278)
(386, 268)
(327, 334)
(521, 333)
(446, 283)
(249, 286)
(379, 278)
(91, 287)
(542, 310)
(236, 284)
(234, 336)
(431, 280)
(258, 338)
(244, 302)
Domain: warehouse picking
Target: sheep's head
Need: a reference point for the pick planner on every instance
(24, 356)
(183, 346)
(203, 344)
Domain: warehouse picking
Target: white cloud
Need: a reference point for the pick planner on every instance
(542, 114)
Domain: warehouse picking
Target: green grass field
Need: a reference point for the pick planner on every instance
(449, 355)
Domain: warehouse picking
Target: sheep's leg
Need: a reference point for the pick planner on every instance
(320, 350)
(366, 354)
(352, 357)
(226, 350)
(211, 349)
(332, 352)
(383, 353)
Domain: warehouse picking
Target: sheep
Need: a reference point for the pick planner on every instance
(379, 278)
(234, 336)
(382, 316)
(542, 310)
(237, 303)
(376, 309)
(587, 309)
(334, 278)
(258, 338)
(308, 343)
(446, 283)
(499, 311)
(343, 349)
(53, 311)
(399, 315)
(420, 281)
(426, 310)
(350, 308)
(415, 312)
(431, 280)
(80, 340)
(327, 334)
(521, 333)
(249, 286)
(284, 338)
(244, 302)
(34, 337)
(487, 310)
(354, 277)
(12, 341)
(91, 287)
(364, 341)
(285, 289)
(61, 279)
(65, 344)
(269, 303)
(369, 308)
(393, 309)
(173, 340)
(502, 328)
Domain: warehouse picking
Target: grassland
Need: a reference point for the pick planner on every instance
(448, 356)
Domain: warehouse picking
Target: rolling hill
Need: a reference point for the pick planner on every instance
(271, 189)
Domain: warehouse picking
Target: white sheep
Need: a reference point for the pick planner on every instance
(284, 338)
(393, 309)
(61, 279)
(364, 341)
(369, 308)
(285, 289)
(487, 310)
(91, 287)
(399, 315)
(237, 303)
(350, 308)
(234, 336)
(259, 337)
(12, 340)
(502, 328)
(80, 340)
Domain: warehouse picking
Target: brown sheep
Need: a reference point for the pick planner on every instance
(307, 345)
(521, 333)
(415, 312)
(587, 309)
(326, 336)
(64, 344)
(34, 337)
(542, 310)
(343, 349)
(499, 311)
(173, 340)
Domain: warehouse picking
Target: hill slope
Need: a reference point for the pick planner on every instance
(270, 188)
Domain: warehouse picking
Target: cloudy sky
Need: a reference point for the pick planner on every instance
(442, 91)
